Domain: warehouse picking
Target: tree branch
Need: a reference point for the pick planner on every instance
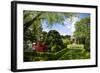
(26, 25)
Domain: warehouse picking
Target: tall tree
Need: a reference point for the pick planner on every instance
(82, 32)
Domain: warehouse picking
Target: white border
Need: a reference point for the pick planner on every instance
(29, 65)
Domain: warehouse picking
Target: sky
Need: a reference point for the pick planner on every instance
(68, 28)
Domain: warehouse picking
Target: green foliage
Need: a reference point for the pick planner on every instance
(66, 41)
(43, 36)
(54, 41)
(83, 27)
(57, 44)
(29, 55)
(82, 32)
(72, 54)
(51, 17)
(86, 55)
(60, 53)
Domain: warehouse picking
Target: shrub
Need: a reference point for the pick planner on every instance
(54, 41)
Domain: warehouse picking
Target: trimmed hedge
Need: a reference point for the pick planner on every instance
(75, 46)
